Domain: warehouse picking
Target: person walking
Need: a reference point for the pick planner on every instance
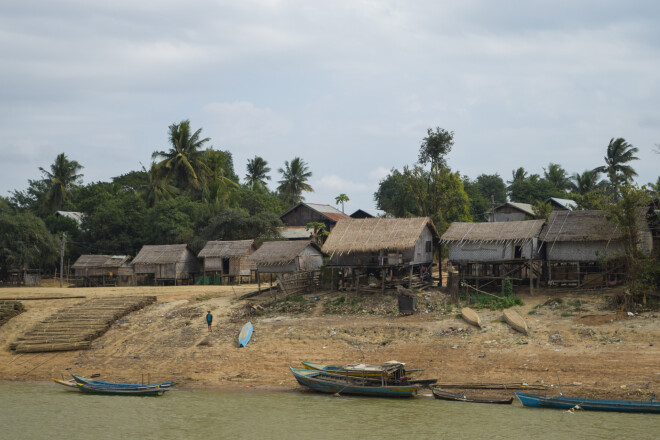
(209, 319)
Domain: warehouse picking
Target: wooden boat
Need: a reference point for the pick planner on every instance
(245, 334)
(446, 395)
(71, 383)
(86, 381)
(563, 402)
(361, 370)
(121, 391)
(339, 384)
(470, 316)
(515, 321)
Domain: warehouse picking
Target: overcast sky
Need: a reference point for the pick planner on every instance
(349, 86)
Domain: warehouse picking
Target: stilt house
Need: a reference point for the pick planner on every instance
(513, 211)
(103, 270)
(228, 259)
(296, 218)
(483, 252)
(286, 257)
(385, 248)
(166, 263)
(582, 247)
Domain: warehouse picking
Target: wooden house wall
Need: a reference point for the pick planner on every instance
(144, 268)
(509, 214)
(303, 215)
(489, 252)
(420, 254)
(646, 240)
(583, 251)
(213, 264)
(278, 268)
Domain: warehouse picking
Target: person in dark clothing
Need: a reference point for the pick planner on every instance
(209, 319)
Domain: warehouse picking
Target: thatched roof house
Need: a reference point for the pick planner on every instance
(228, 257)
(166, 262)
(492, 242)
(286, 256)
(574, 236)
(381, 241)
(98, 265)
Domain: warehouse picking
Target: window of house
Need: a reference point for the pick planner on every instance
(429, 247)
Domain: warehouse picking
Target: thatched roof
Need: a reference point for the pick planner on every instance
(227, 249)
(580, 226)
(161, 254)
(517, 231)
(375, 234)
(279, 252)
(87, 260)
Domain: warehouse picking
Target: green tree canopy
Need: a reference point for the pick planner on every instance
(257, 172)
(294, 181)
(557, 177)
(342, 198)
(619, 153)
(184, 162)
(524, 188)
(233, 224)
(59, 181)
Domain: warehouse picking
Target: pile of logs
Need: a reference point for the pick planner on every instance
(9, 309)
(75, 327)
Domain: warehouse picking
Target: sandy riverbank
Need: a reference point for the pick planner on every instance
(601, 354)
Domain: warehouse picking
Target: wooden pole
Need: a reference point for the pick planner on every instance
(258, 281)
(62, 259)
(332, 279)
(531, 275)
(410, 277)
(382, 282)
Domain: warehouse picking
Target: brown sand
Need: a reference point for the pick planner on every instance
(600, 354)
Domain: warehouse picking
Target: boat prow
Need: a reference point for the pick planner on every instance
(516, 321)
(470, 316)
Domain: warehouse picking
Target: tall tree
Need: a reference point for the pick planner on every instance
(585, 182)
(619, 153)
(557, 177)
(530, 189)
(257, 172)
(60, 180)
(294, 181)
(184, 162)
(341, 198)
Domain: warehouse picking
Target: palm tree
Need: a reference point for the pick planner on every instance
(619, 152)
(585, 182)
(294, 180)
(556, 175)
(257, 170)
(63, 176)
(184, 161)
(341, 198)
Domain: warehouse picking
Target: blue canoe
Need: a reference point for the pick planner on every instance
(245, 334)
(335, 383)
(85, 381)
(562, 402)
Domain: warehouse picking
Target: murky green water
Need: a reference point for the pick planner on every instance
(48, 411)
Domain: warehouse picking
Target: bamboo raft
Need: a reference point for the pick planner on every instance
(9, 309)
(75, 327)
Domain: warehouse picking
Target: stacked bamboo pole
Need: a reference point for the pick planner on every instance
(9, 309)
(73, 328)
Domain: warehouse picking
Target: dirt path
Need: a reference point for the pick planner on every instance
(601, 354)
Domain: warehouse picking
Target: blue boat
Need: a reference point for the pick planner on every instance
(562, 402)
(85, 381)
(245, 335)
(122, 391)
(339, 384)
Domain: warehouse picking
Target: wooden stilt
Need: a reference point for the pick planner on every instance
(382, 281)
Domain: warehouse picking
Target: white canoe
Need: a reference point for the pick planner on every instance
(515, 321)
(470, 316)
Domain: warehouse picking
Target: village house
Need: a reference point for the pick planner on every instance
(296, 219)
(484, 254)
(227, 260)
(361, 214)
(511, 211)
(103, 270)
(387, 249)
(586, 247)
(167, 263)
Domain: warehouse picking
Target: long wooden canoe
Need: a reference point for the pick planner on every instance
(86, 381)
(245, 334)
(121, 391)
(71, 383)
(516, 321)
(446, 395)
(563, 402)
(334, 383)
(470, 316)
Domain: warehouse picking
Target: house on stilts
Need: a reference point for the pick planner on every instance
(103, 270)
(484, 254)
(166, 264)
(226, 261)
(381, 252)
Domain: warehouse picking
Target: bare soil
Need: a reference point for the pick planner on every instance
(575, 344)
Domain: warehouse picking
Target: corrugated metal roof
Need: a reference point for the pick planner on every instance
(566, 203)
(524, 207)
(328, 211)
(73, 215)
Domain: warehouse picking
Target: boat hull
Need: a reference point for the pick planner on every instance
(245, 334)
(333, 384)
(84, 380)
(338, 369)
(562, 402)
(516, 321)
(470, 316)
(455, 397)
(142, 391)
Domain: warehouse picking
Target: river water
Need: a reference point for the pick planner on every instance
(49, 411)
